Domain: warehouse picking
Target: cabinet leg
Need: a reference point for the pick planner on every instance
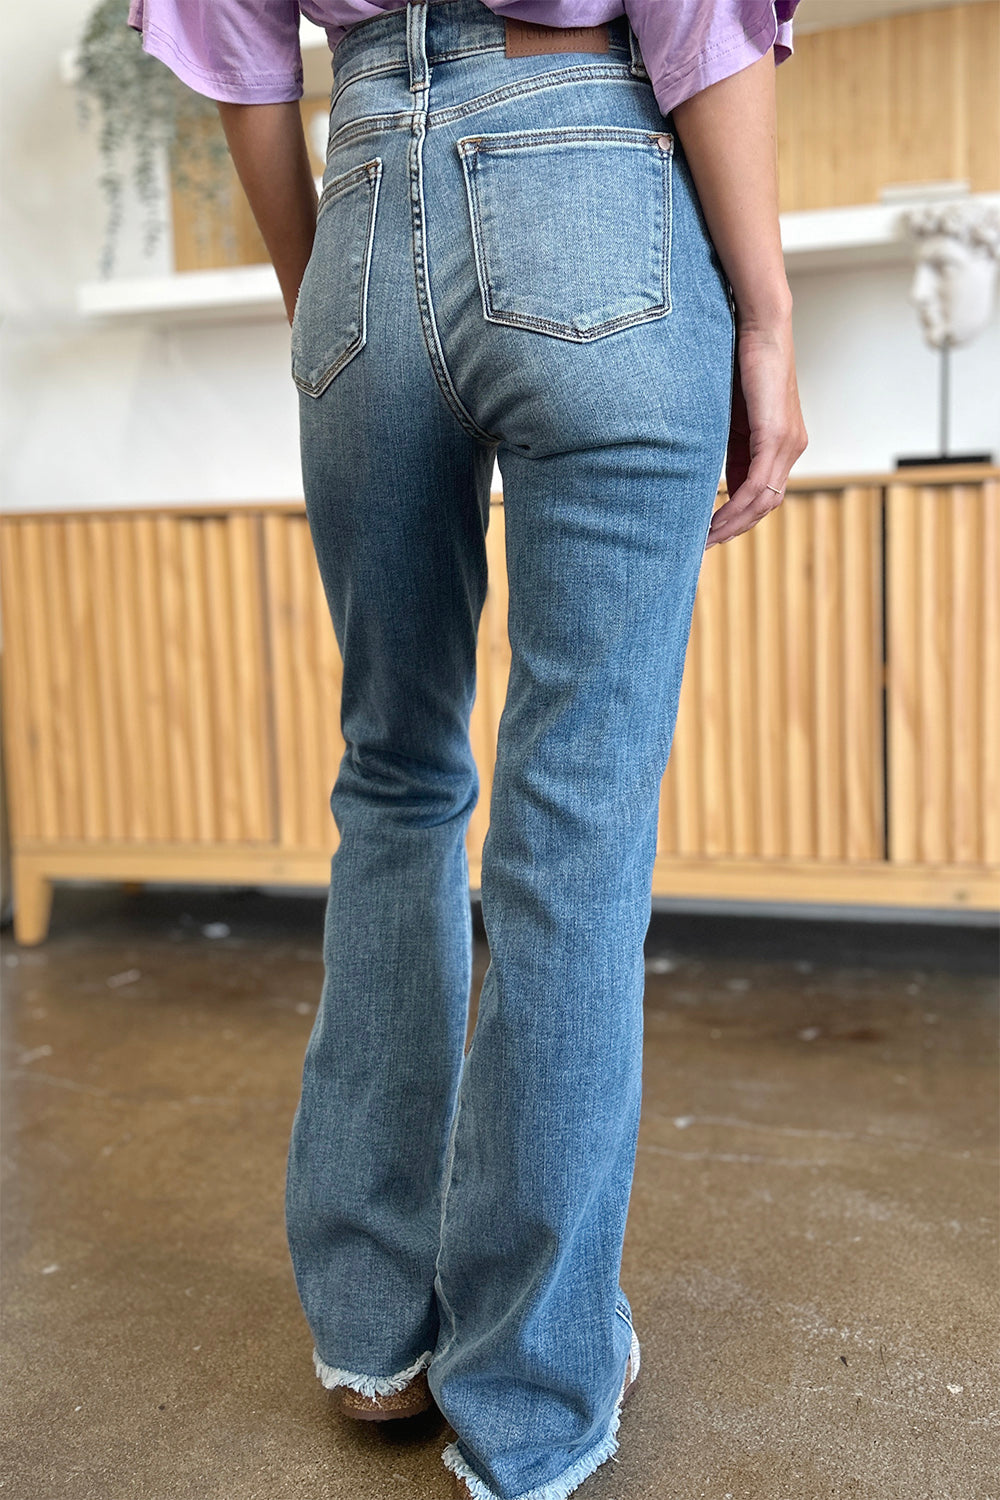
(32, 902)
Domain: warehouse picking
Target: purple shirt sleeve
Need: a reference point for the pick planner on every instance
(690, 44)
(239, 51)
(247, 51)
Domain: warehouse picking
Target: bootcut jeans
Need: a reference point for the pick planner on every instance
(510, 261)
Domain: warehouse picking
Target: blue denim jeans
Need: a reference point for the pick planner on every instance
(510, 261)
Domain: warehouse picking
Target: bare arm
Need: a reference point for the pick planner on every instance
(268, 147)
(728, 132)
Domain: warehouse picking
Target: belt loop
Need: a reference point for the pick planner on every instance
(416, 44)
(637, 67)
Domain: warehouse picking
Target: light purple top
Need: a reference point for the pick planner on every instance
(247, 51)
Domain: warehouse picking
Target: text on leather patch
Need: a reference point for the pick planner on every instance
(528, 39)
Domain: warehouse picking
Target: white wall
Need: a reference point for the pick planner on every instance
(105, 415)
(117, 416)
(99, 414)
(869, 383)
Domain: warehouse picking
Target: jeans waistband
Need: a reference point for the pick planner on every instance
(436, 31)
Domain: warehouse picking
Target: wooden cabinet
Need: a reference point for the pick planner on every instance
(170, 700)
(903, 98)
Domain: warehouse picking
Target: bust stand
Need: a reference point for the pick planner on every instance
(944, 456)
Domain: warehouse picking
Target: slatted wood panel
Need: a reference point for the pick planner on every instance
(778, 747)
(305, 684)
(171, 701)
(135, 704)
(492, 670)
(943, 681)
(906, 98)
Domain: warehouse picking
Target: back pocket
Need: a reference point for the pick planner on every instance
(571, 227)
(330, 317)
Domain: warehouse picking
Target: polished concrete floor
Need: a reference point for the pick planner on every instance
(811, 1254)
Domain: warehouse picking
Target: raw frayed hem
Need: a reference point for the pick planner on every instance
(370, 1385)
(556, 1489)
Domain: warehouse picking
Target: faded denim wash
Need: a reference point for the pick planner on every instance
(510, 260)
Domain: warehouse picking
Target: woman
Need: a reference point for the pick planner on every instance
(545, 244)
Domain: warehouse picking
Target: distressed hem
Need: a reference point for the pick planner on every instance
(567, 1482)
(369, 1385)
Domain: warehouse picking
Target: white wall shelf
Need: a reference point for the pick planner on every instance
(842, 239)
(834, 239)
(243, 292)
(830, 239)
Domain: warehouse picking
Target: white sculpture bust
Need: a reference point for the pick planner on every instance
(954, 282)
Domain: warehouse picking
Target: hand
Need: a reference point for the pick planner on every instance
(766, 431)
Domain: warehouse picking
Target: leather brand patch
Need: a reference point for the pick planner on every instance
(528, 39)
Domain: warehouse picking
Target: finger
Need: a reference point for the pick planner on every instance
(750, 499)
(744, 521)
(748, 506)
(763, 485)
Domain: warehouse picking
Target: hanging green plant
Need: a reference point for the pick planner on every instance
(145, 111)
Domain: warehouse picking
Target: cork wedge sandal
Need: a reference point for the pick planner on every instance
(411, 1402)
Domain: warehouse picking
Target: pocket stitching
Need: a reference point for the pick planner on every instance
(344, 180)
(335, 188)
(471, 147)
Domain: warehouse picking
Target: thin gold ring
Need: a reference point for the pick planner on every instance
(771, 487)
